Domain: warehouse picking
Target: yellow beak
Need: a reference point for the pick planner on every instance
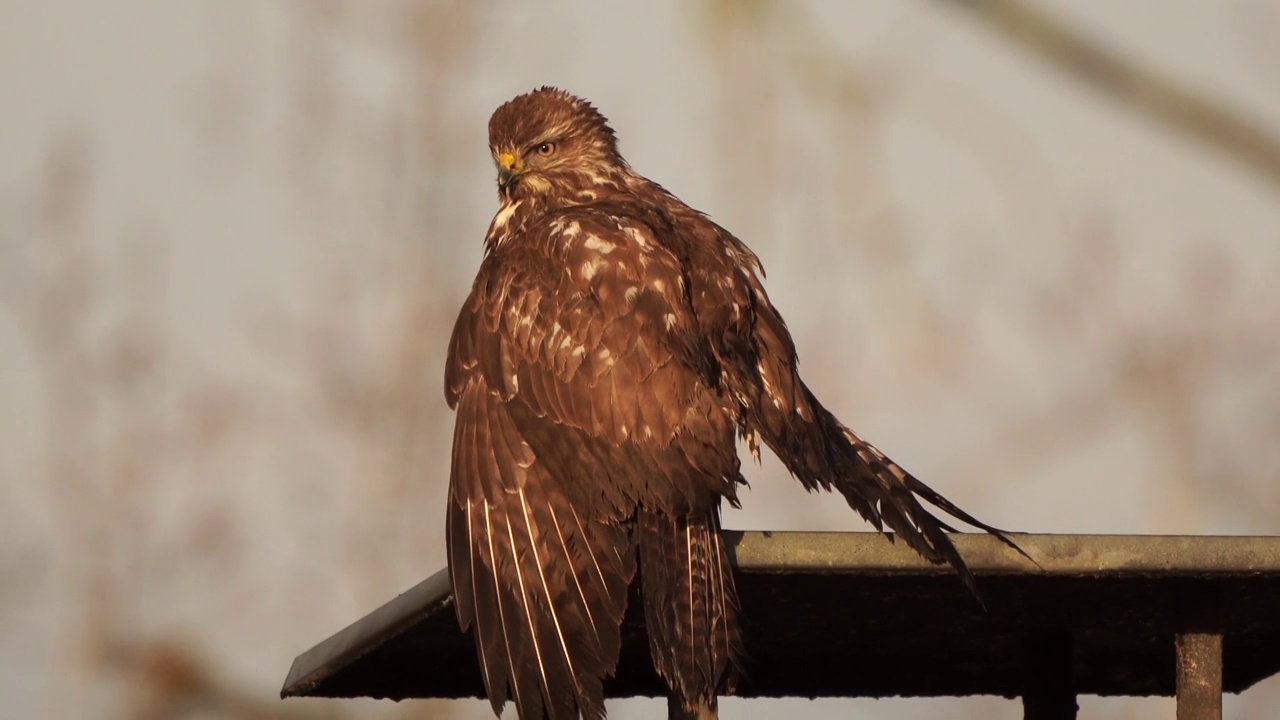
(508, 169)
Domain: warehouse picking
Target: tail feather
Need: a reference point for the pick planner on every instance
(691, 606)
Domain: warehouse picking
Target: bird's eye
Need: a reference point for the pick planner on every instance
(546, 149)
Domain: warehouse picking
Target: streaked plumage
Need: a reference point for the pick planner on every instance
(614, 345)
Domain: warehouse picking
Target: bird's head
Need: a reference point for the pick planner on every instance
(551, 143)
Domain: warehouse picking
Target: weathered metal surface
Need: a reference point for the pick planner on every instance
(849, 614)
(1057, 555)
(1199, 676)
(428, 605)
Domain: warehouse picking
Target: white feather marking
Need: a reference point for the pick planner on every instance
(502, 615)
(586, 605)
(669, 320)
(724, 608)
(688, 543)
(542, 575)
(598, 244)
(637, 236)
(659, 284)
(504, 215)
(582, 533)
(528, 458)
(572, 230)
(752, 437)
(768, 386)
(475, 617)
(870, 448)
(524, 604)
(630, 295)
(589, 268)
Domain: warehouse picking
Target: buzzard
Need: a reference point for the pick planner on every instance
(615, 344)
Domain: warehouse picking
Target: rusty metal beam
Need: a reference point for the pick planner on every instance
(1199, 676)
(864, 616)
(1057, 555)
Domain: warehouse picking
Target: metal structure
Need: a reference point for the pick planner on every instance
(851, 615)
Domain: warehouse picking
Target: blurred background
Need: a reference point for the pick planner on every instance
(1027, 247)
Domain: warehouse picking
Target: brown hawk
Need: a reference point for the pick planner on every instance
(615, 343)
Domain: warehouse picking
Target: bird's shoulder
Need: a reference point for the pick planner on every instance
(606, 252)
(576, 289)
(599, 228)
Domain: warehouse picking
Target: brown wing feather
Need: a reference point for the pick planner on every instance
(539, 585)
(759, 367)
(579, 407)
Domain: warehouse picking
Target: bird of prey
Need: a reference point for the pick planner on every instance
(615, 345)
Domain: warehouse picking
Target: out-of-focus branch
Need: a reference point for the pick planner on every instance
(169, 681)
(1144, 90)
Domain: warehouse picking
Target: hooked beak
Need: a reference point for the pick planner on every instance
(508, 170)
